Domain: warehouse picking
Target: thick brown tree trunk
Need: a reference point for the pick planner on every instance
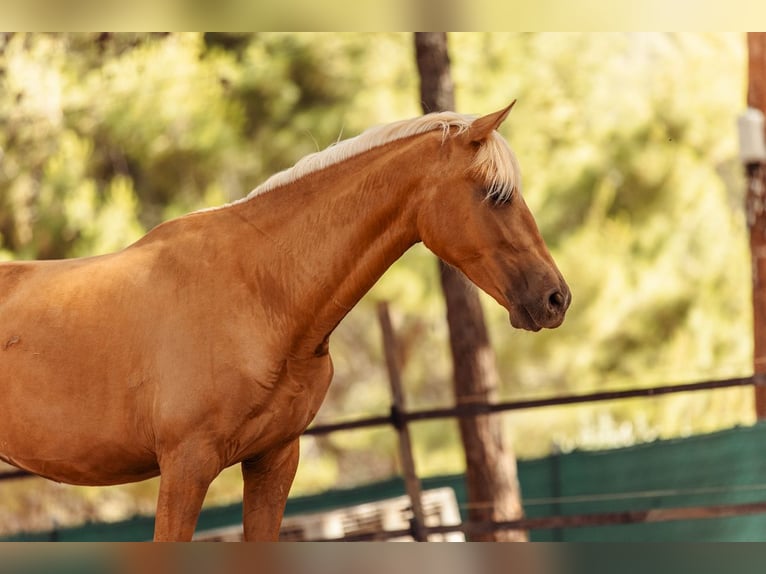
(756, 215)
(492, 482)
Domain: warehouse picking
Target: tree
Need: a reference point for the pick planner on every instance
(491, 478)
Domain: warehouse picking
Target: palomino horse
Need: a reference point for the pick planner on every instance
(205, 343)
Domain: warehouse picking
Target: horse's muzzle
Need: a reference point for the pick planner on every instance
(547, 312)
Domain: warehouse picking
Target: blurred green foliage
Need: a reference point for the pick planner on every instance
(628, 150)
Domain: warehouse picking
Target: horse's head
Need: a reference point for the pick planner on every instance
(476, 219)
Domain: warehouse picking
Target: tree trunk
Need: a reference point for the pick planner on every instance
(756, 216)
(492, 481)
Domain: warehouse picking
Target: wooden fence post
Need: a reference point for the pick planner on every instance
(411, 480)
(756, 215)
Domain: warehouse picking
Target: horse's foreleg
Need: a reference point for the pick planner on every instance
(267, 483)
(184, 481)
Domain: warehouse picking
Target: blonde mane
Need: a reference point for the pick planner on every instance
(495, 163)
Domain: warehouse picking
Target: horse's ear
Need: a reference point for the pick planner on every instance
(483, 126)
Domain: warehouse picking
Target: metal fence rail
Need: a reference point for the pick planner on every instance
(573, 521)
(397, 418)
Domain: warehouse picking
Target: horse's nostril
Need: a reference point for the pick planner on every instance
(556, 300)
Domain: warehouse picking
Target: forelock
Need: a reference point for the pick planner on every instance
(496, 167)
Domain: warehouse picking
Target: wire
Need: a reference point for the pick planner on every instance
(665, 493)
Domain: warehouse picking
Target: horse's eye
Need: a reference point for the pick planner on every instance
(499, 195)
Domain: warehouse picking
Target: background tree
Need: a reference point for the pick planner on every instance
(491, 476)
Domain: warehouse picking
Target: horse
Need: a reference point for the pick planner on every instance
(205, 343)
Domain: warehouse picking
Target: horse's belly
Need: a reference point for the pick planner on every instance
(70, 428)
(76, 451)
(85, 469)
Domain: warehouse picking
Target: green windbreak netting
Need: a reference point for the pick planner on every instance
(727, 467)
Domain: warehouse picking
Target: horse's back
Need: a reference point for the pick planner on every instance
(11, 274)
(49, 297)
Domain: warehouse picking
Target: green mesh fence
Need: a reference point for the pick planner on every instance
(727, 467)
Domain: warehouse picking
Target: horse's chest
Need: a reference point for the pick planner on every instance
(305, 386)
(281, 411)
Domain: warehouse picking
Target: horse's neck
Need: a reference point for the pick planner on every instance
(336, 232)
